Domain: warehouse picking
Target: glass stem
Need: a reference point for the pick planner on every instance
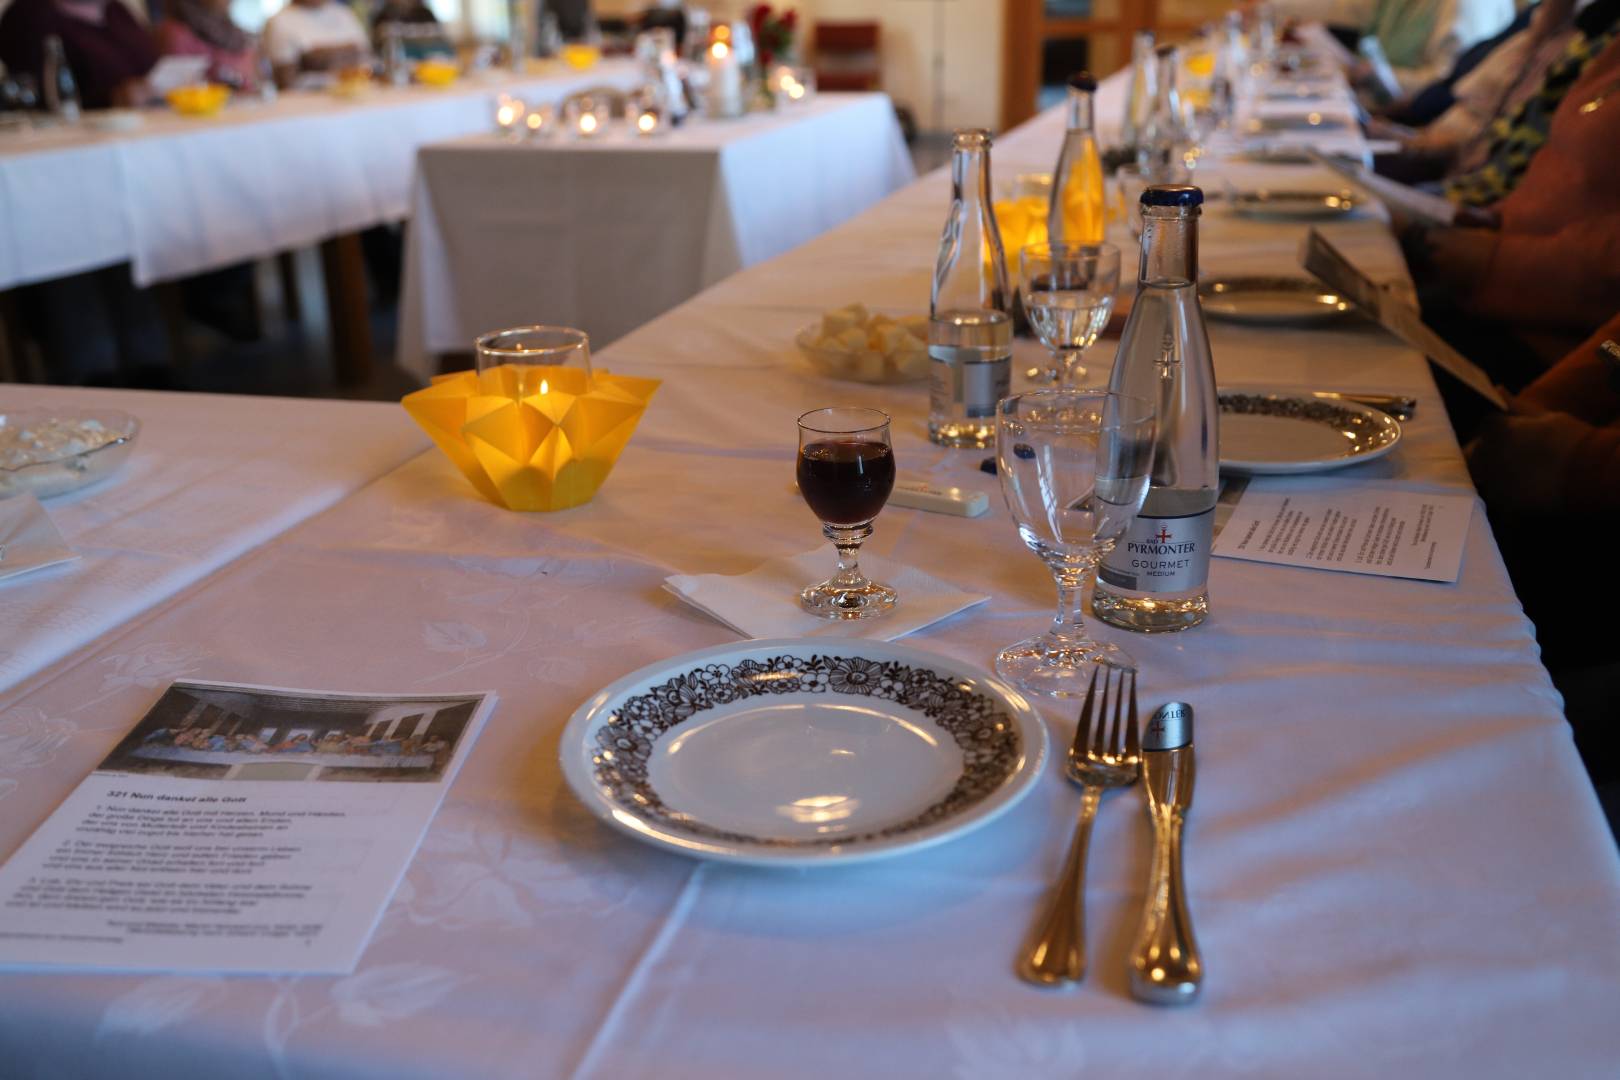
(848, 539)
(1070, 371)
(1069, 624)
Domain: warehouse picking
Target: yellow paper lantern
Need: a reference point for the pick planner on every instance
(532, 437)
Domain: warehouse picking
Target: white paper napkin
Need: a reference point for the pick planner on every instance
(764, 603)
(28, 538)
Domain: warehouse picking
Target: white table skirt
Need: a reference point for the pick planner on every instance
(210, 479)
(1396, 864)
(605, 235)
(179, 196)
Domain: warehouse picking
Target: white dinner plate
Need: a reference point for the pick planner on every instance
(1268, 205)
(1271, 301)
(802, 752)
(1292, 431)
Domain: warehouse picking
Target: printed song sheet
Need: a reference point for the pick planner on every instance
(237, 829)
(1359, 528)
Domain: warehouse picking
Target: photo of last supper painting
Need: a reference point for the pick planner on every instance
(247, 733)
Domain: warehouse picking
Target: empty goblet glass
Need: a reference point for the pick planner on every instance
(1074, 468)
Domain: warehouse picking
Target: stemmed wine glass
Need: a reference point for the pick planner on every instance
(1069, 294)
(845, 472)
(1074, 467)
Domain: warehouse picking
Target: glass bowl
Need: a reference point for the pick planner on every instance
(54, 451)
(864, 365)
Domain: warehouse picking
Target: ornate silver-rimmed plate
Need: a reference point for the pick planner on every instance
(1291, 431)
(1271, 301)
(1294, 205)
(802, 752)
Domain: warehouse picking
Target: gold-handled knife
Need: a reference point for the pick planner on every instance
(1166, 968)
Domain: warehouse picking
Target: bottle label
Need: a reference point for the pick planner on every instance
(1162, 555)
(964, 387)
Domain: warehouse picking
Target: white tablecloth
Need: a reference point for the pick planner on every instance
(1396, 864)
(606, 234)
(210, 479)
(178, 196)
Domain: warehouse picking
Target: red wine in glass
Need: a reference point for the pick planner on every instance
(846, 481)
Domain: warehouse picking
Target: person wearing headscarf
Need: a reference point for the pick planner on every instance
(108, 49)
(204, 28)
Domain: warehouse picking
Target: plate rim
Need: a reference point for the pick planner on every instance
(576, 772)
(1252, 203)
(1276, 468)
(1281, 282)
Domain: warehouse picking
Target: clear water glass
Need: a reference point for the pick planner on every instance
(1074, 468)
(528, 360)
(1068, 293)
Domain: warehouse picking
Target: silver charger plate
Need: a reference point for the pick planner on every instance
(1272, 301)
(802, 752)
(1272, 205)
(1267, 431)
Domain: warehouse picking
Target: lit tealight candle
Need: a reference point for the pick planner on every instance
(647, 123)
(588, 124)
(509, 115)
(538, 123)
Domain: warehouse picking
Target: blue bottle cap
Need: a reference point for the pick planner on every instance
(1173, 195)
(1083, 80)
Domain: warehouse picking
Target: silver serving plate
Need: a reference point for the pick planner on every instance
(1265, 432)
(49, 474)
(1294, 205)
(1272, 301)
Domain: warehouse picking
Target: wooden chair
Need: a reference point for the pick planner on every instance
(847, 56)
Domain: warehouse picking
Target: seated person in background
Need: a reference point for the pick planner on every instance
(107, 48)
(1421, 39)
(666, 13)
(1459, 139)
(314, 36)
(412, 13)
(1494, 165)
(1546, 261)
(204, 28)
(1426, 105)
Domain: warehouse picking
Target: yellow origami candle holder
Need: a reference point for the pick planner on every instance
(532, 436)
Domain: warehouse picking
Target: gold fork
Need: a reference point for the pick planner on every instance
(1102, 756)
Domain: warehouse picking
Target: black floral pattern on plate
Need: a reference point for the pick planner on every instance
(1370, 430)
(978, 723)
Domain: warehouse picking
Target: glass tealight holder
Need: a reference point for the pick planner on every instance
(794, 85)
(510, 113)
(528, 360)
(539, 123)
(586, 117)
(647, 113)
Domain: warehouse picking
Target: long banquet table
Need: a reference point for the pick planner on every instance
(178, 196)
(607, 233)
(1396, 863)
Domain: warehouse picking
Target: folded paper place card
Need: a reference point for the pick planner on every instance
(764, 603)
(1359, 528)
(28, 538)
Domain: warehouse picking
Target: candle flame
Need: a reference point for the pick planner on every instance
(720, 50)
(535, 121)
(646, 121)
(545, 387)
(587, 122)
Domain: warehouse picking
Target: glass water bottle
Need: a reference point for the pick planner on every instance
(1075, 215)
(1157, 576)
(970, 327)
(1139, 97)
(1160, 150)
(61, 92)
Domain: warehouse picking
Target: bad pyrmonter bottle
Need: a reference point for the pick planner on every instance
(1157, 576)
(969, 328)
(1160, 149)
(1075, 215)
(1139, 95)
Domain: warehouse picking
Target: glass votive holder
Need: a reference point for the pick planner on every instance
(795, 85)
(539, 123)
(509, 115)
(646, 112)
(528, 360)
(586, 117)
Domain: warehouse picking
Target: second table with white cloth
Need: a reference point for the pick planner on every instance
(608, 232)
